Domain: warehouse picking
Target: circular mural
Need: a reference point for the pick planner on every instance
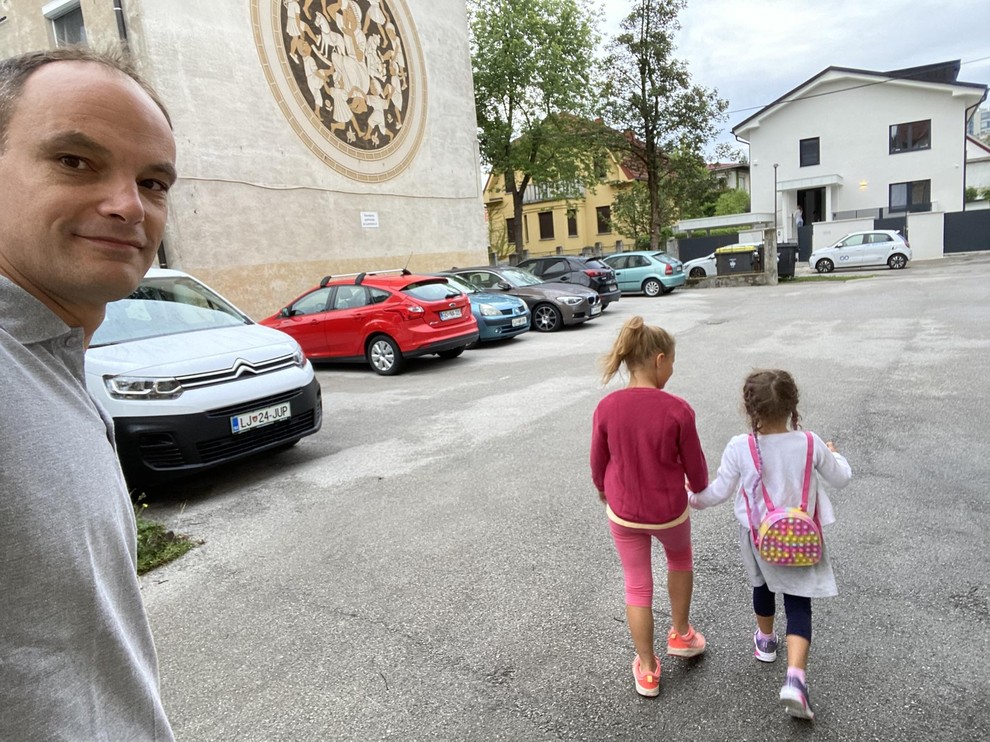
(349, 77)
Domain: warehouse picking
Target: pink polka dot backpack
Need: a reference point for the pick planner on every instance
(787, 537)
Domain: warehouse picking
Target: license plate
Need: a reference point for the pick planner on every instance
(450, 313)
(613, 286)
(597, 309)
(519, 321)
(258, 418)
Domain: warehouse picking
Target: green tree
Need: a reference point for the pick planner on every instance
(533, 63)
(631, 211)
(650, 94)
(735, 201)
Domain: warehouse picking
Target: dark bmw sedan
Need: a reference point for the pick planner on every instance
(553, 305)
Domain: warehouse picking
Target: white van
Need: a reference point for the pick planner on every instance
(191, 382)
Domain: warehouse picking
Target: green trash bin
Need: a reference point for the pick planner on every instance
(739, 259)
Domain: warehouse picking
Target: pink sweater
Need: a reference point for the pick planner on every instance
(643, 444)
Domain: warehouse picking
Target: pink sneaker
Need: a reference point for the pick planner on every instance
(690, 644)
(647, 683)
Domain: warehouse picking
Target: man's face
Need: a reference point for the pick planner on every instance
(88, 160)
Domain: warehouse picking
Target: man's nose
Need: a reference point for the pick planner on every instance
(122, 200)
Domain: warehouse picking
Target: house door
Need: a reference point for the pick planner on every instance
(811, 201)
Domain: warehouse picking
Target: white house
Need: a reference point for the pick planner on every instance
(851, 144)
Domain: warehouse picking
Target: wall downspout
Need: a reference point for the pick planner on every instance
(118, 11)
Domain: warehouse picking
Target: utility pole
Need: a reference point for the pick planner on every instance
(770, 240)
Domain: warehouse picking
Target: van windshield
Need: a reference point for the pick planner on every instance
(165, 306)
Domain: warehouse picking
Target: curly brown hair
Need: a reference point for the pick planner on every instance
(637, 343)
(770, 395)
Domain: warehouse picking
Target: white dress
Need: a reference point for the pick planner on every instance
(784, 456)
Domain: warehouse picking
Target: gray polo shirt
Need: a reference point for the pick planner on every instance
(77, 661)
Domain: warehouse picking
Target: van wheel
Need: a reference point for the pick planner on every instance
(824, 266)
(896, 261)
(384, 355)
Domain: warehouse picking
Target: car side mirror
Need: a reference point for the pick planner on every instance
(286, 312)
(503, 286)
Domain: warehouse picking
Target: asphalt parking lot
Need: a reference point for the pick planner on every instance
(435, 564)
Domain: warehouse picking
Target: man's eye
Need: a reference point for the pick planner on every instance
(71, 161)
(155, 185)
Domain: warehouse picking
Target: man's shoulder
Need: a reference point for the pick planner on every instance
(24, 318)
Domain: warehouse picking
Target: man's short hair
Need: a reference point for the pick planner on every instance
(14, 72)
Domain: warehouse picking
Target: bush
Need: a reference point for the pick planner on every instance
(972, 194)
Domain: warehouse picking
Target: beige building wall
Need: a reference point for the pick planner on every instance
(261, 213)
(585, 210)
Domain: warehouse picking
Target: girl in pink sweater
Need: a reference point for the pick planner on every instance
(644, 444)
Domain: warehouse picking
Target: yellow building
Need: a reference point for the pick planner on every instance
(559, 219)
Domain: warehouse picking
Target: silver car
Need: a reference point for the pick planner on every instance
(874, 247)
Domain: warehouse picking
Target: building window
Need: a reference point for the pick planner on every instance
(67, 21)
(572, 223)
(911, 136)
(915, 195)
(810, 152)
(604, 214)
(546, 225)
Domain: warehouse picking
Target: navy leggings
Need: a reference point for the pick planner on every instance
(796, 607)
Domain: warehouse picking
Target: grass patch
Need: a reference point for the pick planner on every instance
(809, 279)
(156, 545)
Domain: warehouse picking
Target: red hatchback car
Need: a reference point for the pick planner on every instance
(380, 319)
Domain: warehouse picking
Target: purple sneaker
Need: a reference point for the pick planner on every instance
(794, 696)
(765, 650)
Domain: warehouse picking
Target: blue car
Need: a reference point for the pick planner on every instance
(499, 316)
(646, 271)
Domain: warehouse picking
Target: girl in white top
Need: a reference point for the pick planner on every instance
(770, 398)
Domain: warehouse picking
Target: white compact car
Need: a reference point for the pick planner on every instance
(701, 267)
(875, 247)
(191, 382)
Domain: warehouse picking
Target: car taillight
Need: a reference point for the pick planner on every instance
(413, 311)
(668, 270)
(594, 273)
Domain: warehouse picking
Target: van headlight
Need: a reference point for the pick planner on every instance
(299, 358)
(571, 301)
(139, 387)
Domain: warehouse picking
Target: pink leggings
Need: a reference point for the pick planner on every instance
(635, 546)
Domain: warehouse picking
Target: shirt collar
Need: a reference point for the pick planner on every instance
(26, 319)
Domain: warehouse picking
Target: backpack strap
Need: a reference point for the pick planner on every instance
(808, 468)
(754, 452)
(807, 474)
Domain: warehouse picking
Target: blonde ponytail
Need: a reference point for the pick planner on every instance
(637, 343)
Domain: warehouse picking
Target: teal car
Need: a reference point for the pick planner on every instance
(646, 271)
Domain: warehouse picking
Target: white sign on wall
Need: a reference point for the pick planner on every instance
(369, 220)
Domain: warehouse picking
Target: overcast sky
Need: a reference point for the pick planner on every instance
(754, 51)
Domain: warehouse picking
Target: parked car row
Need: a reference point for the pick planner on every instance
(192, 382)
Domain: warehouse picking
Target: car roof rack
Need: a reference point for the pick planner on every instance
(359, 277)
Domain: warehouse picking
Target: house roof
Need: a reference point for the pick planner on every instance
(941, 73)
